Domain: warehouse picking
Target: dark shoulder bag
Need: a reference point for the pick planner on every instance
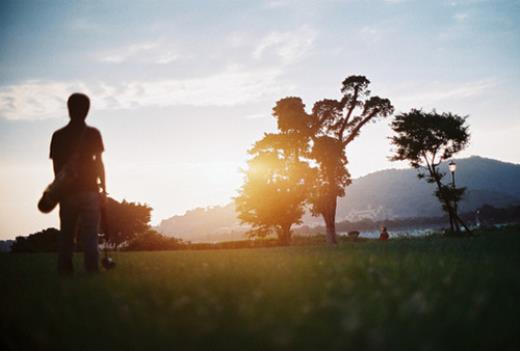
(55, 191)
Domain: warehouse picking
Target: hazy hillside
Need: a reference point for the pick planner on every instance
(385, 194)
(399, 193)
(204, 224)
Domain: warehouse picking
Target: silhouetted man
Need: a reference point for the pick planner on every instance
(80, 205)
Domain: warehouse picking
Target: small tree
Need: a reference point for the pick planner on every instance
(124, 220)
(277, 181)
(425, 140)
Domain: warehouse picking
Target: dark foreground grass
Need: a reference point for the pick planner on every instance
(421, 294)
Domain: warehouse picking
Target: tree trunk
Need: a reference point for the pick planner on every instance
(458, 220)
(451, 221)
(441, 197)
(284, 235)
(454, 218)
(329, 216)
(450, 213)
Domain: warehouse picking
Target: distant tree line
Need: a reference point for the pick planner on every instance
(486, 215)
(489, 215)
(124, 225)
(43, 241)
(151, 240)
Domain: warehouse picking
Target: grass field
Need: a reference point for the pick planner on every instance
(419, 294)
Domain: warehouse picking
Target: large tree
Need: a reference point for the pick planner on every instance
(278, 178)
(425, 140)
(334, 124)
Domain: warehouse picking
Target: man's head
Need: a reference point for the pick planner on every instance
(78, 105)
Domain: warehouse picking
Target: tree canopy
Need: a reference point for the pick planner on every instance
(124, 220)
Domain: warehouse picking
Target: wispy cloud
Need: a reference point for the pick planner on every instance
(289, 46)
(44, 99)
(147, 52)
(443, 91)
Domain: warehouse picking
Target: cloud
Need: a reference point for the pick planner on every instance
(256, 73)
(36, 100)
(289, 46)
(146, 52)
(441, 92)
(46, 99)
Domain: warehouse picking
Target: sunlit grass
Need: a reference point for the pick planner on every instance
(419, 294)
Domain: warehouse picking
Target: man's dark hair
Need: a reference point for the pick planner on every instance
(78, 105)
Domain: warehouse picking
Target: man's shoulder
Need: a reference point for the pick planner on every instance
(93, 135)
(93, 130)
(67, 130)
(59, 132)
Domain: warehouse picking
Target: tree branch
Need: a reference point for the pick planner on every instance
(349, 113)
(355, 131)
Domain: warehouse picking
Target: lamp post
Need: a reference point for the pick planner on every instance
(452, 166)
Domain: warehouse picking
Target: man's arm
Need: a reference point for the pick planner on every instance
(52, 155)
(101, 172)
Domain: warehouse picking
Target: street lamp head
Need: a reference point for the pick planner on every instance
(452, 166)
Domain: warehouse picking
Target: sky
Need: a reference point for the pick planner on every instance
(181, 89)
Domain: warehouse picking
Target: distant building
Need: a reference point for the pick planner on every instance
(373, 214)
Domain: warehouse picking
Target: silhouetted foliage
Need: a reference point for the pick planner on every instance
(332, 125)
(277, 181)
(126, 220)
(151, 240)
(425, 139)
(44, 241)
(319, 138)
